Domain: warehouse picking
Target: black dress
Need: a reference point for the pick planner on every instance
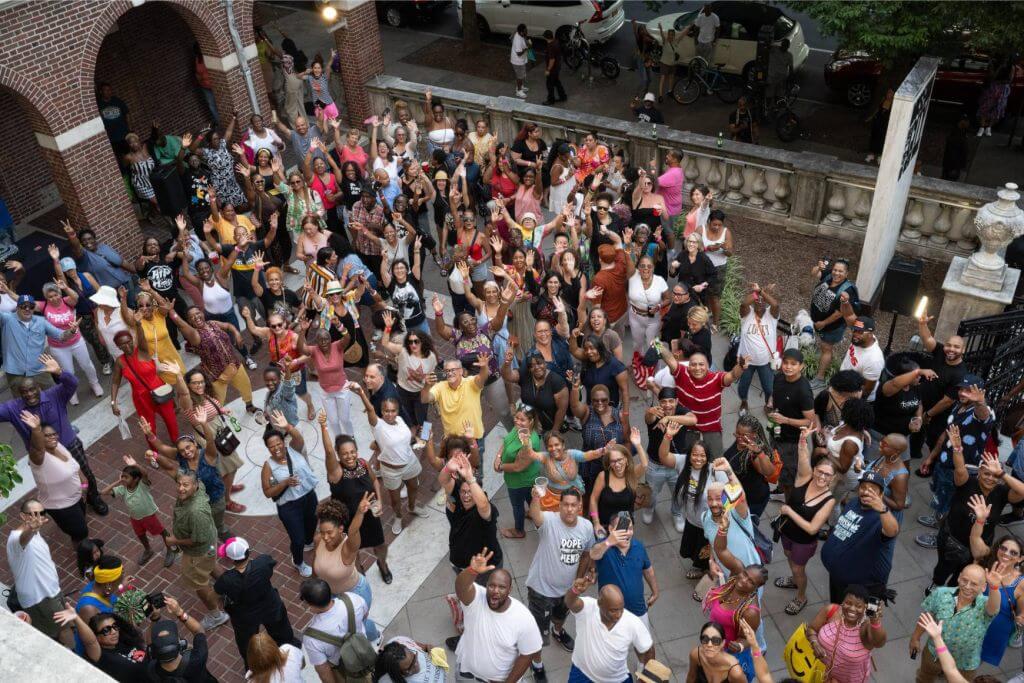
(349, 490)
(611, 503)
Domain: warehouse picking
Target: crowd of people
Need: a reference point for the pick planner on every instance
(582, 287)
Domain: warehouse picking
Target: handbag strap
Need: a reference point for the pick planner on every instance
(349, 609)
(141, 381)
(760, 330)
(220, 411)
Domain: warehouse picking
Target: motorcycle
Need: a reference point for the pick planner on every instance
(579, 51)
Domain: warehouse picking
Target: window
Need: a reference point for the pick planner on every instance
(783, 27)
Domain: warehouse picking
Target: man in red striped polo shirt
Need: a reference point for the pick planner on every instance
(700, 390)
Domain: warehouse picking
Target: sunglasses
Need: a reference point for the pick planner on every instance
(413, 340)
(108, 629)
(602, 208)
(711, 640)
(278, 326)
(26, 307)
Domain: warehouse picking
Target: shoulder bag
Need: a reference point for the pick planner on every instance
(162, 394)
(358, 656)
(225, 438)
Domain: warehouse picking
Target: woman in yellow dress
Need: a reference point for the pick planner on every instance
(150, 317)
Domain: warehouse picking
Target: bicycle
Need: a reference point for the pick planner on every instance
(779, 111)
(702, 78)
(579, 51)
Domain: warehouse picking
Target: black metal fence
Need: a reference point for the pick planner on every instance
(994, 350)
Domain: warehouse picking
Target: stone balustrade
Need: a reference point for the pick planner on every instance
(809, 193)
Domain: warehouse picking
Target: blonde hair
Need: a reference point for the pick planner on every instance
(698, 314)
(606, 460)
(696, 236)
(264, 657)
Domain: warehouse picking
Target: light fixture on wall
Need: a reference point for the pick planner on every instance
(329, 13)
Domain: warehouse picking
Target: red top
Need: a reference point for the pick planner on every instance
(202, 75)
(502, 185)
(703, 397)
(325, 191)
(287, 348)
(141, 374)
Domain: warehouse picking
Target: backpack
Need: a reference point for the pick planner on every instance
(762, 544)
(358, 655)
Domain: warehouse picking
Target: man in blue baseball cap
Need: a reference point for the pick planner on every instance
(24, 339)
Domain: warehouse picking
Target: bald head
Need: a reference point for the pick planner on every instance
(610, 604)
(895, 442)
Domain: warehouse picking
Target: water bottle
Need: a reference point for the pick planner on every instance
(775, 427)
(654, 130)
(720, 139)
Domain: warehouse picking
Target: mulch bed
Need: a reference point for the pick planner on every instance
(490, 61)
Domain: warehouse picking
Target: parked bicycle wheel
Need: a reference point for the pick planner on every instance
(787, 126)
(687, 91)
(729, 90)
(609, 68)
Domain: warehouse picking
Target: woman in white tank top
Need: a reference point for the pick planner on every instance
(718, 247)
(845, 445)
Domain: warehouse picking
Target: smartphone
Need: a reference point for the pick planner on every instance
(731, 495)
(425, 431)
(872, 608)
(622, 521)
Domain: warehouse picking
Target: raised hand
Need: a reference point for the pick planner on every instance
(186, 140)
(147, 431)
(481, 562)
(54, 252)
(953, 432)
(50, 364)
(672, 428)
(931, 627)
(438, 306)
(68, 230)
(634, 437)
(129, 461)
(278, 419)
(994, 576)
(583, 583)
(31, 420)
(974, 394)
(365, 502)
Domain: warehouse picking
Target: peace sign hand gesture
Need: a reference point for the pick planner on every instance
(480, 564)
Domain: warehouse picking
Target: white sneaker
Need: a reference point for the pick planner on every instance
(396, 526)
(419, 512)
(988, 132)
(74, 399)
(647, 514)
(97, 390)
(309, 546)
(213, 620)
(526, 88)
(305, 571)
(107, 368)
(981, 132)
(250, 363)
(521, 93)
(680, 523)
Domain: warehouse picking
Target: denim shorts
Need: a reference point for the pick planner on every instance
(833, 336)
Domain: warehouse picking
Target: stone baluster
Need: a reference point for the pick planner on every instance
(759, 187)
(691, 170)
(781, 193)
(735, 182)
(861, 208)
(836, 205)
(941, 226)
(913, 219)
(714, 177)
(963, 228)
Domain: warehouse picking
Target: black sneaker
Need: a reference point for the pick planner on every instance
(452, 643)
(539, 675)
(564, 639)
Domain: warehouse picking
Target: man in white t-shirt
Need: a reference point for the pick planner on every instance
(330, 616)
(759, 320)
(707, 24)
(605, 633)
(500, 636)
(35, 575)
(518, 58)
(865, 355)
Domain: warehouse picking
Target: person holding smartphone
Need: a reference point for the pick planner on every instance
(844, 635)
(622, 561)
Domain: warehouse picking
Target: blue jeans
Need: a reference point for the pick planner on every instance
(362, 589)
(942, 490)
(765, 375)
(299, 519)
(211, 104)
(658, 476)
(519, 498)
(577, 676)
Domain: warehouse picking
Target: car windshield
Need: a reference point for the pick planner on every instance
(783, 26)
(685, 20)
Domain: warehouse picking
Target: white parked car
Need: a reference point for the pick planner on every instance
(601, 18)
(740, 23)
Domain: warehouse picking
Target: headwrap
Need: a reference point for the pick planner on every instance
(107, 575)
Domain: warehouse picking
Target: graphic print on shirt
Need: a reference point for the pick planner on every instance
(569, 551)
(848, 525)
(161, 278)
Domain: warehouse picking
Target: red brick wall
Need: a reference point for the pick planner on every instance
(23, 169)
(362, 58)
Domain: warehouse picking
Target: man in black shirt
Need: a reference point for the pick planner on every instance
(552, 69)
(657, 417)
(939, 395)
(791, 408)
(170, 661)
(742, 124)
(898, 400)
(646, 112)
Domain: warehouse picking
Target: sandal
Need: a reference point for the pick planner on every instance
(694, 574)
(512, 533)
(696, 598)
(785, 582)
(795, 606)
(234, 507)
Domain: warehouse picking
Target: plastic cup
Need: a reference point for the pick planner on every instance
(541, 485)
(375, 508)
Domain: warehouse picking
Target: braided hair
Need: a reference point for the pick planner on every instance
(729, 587)
(389, 663)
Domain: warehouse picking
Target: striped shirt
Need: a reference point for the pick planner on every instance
(703, 397)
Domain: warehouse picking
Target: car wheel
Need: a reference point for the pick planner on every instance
(393, 15)
(482, 27)
(858, 94)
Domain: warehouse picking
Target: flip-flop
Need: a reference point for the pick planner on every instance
(785, 582)
(696, 598)
(694, 574)
(795, 606)
(512, 533)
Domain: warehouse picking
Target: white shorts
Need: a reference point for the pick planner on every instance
(393, 477)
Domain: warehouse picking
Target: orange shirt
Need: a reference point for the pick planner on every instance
(614, 282)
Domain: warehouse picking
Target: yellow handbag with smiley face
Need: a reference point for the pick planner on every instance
(802, 663)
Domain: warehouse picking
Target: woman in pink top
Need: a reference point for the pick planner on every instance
(843, 636)
(350, 150)
(591, 158)
(326, 182)
(57, 477)
(700, 208)
(328, 357)
(311, 239)
(59, 311)
(528, 195)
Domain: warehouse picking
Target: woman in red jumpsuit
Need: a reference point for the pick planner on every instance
(141, 372)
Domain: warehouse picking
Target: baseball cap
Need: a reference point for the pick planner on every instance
(26, 299)
(529, 216)
(649, 97)
(971, 380)
(872, 477)
(67, 263)
(793, 354)
(164, 643)
(234, 548)
(865, 323)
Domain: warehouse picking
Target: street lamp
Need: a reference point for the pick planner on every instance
(329, 13)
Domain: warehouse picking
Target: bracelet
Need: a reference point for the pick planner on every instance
(755, 653)
(608, 542)
(941, 649)
(387, 330)
(183, 617)
(722, 532)
(994, 588)
(574, 591)
(874, 624)
(980, 522)
(472, 571)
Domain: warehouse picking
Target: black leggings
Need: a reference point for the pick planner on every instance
(71, 520)
(279, 628)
